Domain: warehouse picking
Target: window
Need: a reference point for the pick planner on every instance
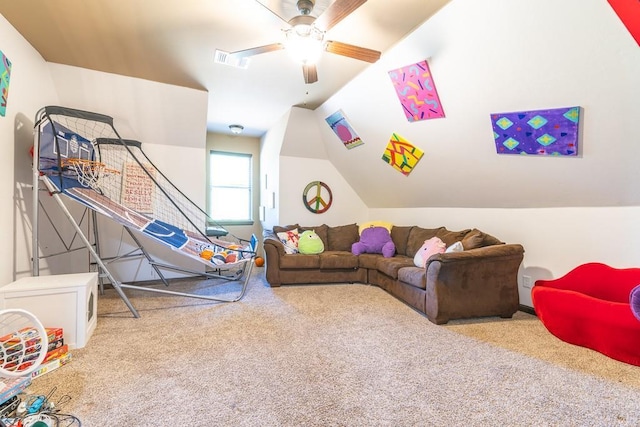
(230, 187)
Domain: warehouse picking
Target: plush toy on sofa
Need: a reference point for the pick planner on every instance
(374, 240)
(430, 247)
(310, 243)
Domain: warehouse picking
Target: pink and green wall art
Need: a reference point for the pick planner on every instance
(551, 132)
(401, 154)
(341, 127)
(5, 74)
(417, 92)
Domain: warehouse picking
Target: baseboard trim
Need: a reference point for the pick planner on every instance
(527, 309)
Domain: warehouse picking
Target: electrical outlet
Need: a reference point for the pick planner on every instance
(526, 281)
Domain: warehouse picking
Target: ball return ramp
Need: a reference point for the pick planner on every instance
(80, 155)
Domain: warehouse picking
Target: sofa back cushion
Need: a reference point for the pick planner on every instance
(282, 228)
(477, 239)
(400, 236)
(340, 238)
(417, 237)
(450, 237)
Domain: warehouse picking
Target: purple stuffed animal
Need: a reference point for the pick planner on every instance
(374, 240)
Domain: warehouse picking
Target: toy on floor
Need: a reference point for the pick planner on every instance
(374, 240)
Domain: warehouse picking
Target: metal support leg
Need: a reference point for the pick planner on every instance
(116, 284)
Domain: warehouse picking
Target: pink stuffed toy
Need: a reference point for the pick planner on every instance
(374, 240)
(430, 247)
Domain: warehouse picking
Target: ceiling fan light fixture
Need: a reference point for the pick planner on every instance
(236, 129)
(304, 43)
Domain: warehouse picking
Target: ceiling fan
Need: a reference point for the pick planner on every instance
(305, 39)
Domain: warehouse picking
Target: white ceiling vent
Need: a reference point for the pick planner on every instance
(222, 57)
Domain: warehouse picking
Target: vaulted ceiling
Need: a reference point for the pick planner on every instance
(174, 42)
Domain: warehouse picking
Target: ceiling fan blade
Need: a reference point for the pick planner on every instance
(336, 12)
(256, 50)
(356, 52)
(310, 73)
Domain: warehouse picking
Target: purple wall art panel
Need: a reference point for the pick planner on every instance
(417, 92)
(341, 127)
(552, 132)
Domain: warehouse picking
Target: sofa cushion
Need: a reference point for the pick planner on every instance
(413, 276)
(337, 260)
(320, 230)
(490, 240)
(290, 240)
(368, 224)
(450, 237)
(368, 260)
(390, 266)
(400, 236)
(472, 240)
(280, 228)
(477, 239)
(342, 237)
(417, 237)
(300, 261)
(456, 247)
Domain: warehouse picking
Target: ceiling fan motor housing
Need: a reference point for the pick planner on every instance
(305, 6)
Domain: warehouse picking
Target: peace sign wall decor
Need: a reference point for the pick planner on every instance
(317, 197)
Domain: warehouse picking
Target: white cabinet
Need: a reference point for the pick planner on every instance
(68, 301)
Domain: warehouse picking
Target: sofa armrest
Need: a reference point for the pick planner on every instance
(273, 250)
(475, 283)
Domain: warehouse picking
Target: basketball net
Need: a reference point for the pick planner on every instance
(89, 173)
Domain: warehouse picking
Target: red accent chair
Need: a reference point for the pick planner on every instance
(590, 307)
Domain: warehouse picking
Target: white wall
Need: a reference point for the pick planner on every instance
(150, 112)
(292, 156)
(296, 173)
(30, 88)
(270, 146)
(497, 56)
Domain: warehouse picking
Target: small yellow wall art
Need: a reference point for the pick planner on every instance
(401, 154)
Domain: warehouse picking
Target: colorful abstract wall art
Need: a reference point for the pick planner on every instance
(552, 132)
(629, 13)
(417, 92)
(5, 74)
(401, 154)
(339, 124)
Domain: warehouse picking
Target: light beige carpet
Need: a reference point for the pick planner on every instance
(525, 334)
(330, 355)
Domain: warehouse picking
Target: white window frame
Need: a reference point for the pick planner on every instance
(212, 202)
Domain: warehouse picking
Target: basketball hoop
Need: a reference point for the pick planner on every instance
(89, 172)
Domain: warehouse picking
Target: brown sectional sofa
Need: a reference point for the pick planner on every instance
(477, 282)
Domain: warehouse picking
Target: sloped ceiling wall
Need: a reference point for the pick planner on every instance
(493, 57)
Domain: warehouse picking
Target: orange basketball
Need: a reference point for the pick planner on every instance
(259, 261)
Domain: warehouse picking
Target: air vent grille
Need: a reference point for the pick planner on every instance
(222, 57)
